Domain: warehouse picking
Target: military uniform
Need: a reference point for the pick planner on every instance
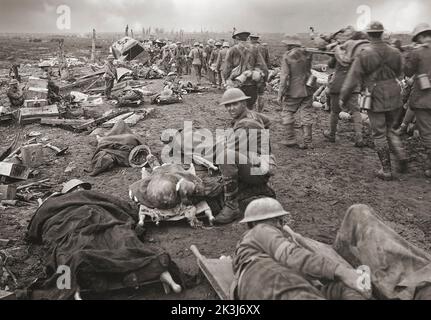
(16, 97)
(351, 105)
(298, 97)
(245, 57)
(270, 266)
(221, 58)
(418, 62)
(110, 76)
(377, 67)
(197, 58)
(212, 64)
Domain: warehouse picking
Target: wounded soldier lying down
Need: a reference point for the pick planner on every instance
(92, 235)
(272, 265)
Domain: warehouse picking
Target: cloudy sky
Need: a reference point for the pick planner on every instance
(285, 16)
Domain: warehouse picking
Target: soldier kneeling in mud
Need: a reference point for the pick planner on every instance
(244, 170)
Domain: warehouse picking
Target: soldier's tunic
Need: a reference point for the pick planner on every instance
(110, 76)
(246, 57)
(249, 139)
(295, 71)
(196, 55)
(221, 58)
(377, 68)
(16, 97)
(212, 62)
(270, 266)
(418, 62)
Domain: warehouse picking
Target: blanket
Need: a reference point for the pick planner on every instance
(93, 235)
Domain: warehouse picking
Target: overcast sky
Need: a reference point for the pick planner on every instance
(284, 16)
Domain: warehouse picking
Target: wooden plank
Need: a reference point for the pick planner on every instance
(7, 192)
(29, 115)
(99, 121)
(35, 103)
(7, 295)
(112, 122)
(14, 171)
(219, 273)
(59, 122)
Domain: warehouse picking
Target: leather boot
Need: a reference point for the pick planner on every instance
(290, 135)
(333, 122)
(307, 137)
(230, 211)
(357, 127)
(397, 147)
(385, 159)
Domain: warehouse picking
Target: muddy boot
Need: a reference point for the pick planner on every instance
(307, 137)
(385, 159)
(399, 151)
(357, 126)
(333, 122)
(290, 136)
(230, 211)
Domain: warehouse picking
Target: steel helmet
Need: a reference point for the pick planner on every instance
(211, 42)
(226, 44)
(420, 28)
(196, 44)
(254, 37)
(263, 209)
(72, 184)
(233, 95)
(218, 44)
(375, 26)
(243, 35)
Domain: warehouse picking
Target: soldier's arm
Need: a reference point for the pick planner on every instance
(410, 64)
(353, 79)
(261, 64)
(284, 77)
(289, 254)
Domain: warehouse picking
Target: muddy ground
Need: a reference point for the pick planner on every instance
(316, 186)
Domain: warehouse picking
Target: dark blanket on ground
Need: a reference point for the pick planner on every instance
(93, 234)
(114, 148)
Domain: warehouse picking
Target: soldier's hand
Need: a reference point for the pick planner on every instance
(351, 279)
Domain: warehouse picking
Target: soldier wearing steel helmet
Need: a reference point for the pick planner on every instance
(220, 63)
(248, 168)
(212, 64)
(271, 265)
(377, 68)
(197, 57)
(418, 64)
(295, 95)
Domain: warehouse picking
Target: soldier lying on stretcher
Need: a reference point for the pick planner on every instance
(272, 265)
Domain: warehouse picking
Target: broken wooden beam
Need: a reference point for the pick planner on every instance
(62, 122)
(99, 121)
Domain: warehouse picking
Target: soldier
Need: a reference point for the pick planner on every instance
(15, 94)
(180, 58)
(207, 65)
(212, 63)
(378, 67)
(244, 169)
(245, 64)
(220, 63)
(271, 264)
(197, 58)
(352, 105)
(187, 61)
(418, 62)
(294, 94)
(254, 40)
(110, 75)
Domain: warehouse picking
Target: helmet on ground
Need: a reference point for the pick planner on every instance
(74, 183)
(263, 209)
(375, 26)
(419, 29)
(233, 95)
